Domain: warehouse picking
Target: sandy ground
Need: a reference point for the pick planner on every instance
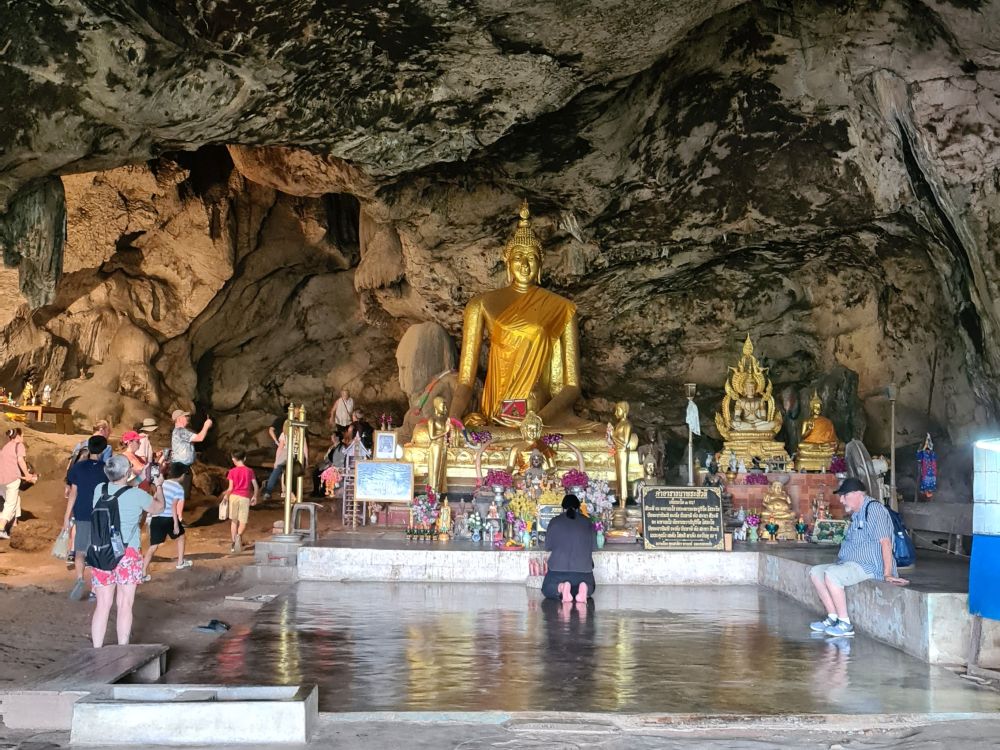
(38, 622)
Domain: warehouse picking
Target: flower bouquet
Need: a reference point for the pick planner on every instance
(598, 526)
(480, 438)
(499, 478)
(552, 440)
(522, 508)
(753, 519)
(755, 479)
(838, 465)
(424, 511)
(597, 498)
(574, 478)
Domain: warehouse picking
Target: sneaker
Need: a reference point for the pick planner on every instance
(147, 578)
(820, 626)
(91, 597)
(184, 565)
(232, 548)
(840, 630)
(77, 593)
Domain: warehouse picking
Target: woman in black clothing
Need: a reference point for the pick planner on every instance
(570, 541)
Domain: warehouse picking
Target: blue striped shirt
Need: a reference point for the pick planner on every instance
(861, 542)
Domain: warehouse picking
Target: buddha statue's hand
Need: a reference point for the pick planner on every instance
(474, 420)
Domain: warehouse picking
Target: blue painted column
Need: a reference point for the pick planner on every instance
(984, 569)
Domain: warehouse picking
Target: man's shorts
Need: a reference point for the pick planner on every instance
(160, 527)
(239, 508)
(843, 574)
(82, 539)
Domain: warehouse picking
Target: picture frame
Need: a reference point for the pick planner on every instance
(383, 481)
(515, 408)
(385, 445)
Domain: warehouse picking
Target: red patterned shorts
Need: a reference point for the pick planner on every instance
(128, 570)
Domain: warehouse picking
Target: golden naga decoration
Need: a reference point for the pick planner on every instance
(749, 419)
(819, 440)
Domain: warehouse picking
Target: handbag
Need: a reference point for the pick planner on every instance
(60, 548)
(224, 508)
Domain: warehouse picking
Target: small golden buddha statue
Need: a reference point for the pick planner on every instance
(819, 440)
(749, 419)
(519, 457)
(625, 441)
(438, 428)
(28, 394)
(778, 506)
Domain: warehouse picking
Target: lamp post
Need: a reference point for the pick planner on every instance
(693, 425)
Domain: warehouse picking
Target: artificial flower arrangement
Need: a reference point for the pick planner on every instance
(838, 465)
(552, 440)
(475, 522)
(499, 478)
(575, 478)
(522, 508)
(753, 519)
(597, 497)
(425, 507)
(478, 438)
(330, 478)
(755, 479)
(598, 526)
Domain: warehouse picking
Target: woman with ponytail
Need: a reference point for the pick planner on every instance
(13, 468)
(570, 541)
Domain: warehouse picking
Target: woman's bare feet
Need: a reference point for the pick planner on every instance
(566, 590)
(581, 593)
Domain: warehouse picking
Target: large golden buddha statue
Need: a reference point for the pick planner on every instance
(819, 439)
(749, 419)
(534, 350)
(533, 358)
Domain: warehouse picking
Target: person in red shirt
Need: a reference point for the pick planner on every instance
(241, 494)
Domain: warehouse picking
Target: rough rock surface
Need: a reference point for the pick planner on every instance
(822, 175)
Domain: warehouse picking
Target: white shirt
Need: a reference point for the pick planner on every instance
(342, 411)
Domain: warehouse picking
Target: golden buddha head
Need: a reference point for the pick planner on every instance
(815, 405)
(621, 410)
(440, 407)
(523, 253)
(531, 427)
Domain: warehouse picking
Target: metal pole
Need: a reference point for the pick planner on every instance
(289, 467)
(892, 447)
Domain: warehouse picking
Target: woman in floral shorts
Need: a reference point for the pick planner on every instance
(128, 573)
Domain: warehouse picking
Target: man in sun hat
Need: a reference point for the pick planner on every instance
(182, 444)
(865, 553)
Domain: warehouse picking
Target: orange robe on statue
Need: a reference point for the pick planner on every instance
(822, 432)
(522, 340)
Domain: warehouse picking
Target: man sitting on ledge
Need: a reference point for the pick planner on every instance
(866, 552)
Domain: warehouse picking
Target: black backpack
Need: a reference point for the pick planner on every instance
(106, 545)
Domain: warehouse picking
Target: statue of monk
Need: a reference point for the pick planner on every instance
(534, 349)
(750, 412)
(624, 441)
(437, 454)
(818, 430)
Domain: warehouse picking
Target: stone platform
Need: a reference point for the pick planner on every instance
(929, 619)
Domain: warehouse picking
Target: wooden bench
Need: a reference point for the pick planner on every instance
(46, 701)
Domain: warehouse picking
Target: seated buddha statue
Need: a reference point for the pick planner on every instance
(749, 420)
(534, 347)
(778, 506)
(818, 441)
(520, 454)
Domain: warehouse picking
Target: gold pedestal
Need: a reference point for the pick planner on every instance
(814, 457)
(748, 446)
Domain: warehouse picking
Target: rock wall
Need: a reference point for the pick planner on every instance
(821, 175)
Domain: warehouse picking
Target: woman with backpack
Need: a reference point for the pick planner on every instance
(118, 509)
(13, 469)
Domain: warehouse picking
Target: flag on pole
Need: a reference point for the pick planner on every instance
(693, 419)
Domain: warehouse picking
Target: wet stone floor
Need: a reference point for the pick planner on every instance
(463, 647)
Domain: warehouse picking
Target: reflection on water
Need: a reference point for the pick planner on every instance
(409, 647)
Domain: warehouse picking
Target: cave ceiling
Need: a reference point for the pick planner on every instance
(823, 175)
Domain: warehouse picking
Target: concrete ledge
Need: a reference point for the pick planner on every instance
(196, 715)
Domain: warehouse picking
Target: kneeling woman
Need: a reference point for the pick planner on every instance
(570, 540)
